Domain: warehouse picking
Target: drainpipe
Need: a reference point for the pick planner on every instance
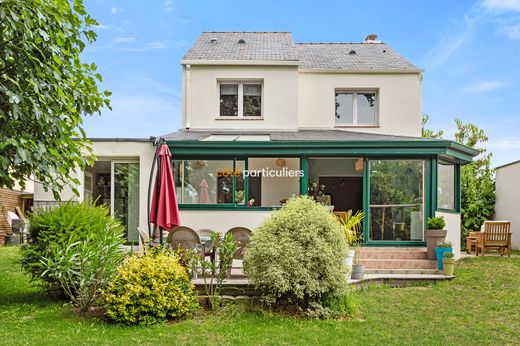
(188, 96)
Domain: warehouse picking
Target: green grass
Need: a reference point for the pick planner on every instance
(481, 306)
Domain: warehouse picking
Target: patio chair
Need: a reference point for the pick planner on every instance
(183, 237)
(144, 241)
(496, 235)
(205, 236)
(243, 237)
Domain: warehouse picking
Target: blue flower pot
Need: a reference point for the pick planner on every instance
(439, 254)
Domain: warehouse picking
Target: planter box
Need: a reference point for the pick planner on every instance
(433, 236)
(439, 253)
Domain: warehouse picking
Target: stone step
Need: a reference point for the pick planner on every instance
(399, 264)
(404, 271)
(392, 254)
(393, 248)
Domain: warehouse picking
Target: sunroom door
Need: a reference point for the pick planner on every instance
(125, 196)
(396, 200)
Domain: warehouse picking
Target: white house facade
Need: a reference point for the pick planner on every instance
(265, 118)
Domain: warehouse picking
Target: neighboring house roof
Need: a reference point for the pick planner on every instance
(509, 164)
(279, 47)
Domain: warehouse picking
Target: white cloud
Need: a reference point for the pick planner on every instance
(502, 5)
(123, 40)
(101, 26)
(511, 31)
(156, 45)
(484, 86)
(168, 4)
(148, 46)
(115, 10)
(449, 44)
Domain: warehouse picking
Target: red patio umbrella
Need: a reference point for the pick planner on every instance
(165, 211)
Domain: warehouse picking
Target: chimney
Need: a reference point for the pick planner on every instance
(372, 38)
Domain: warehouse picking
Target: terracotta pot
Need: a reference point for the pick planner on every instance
(433, 236)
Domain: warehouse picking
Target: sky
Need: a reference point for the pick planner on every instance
(469, 50)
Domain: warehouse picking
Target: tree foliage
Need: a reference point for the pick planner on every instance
(477, 178)
(427, 133)
(45, 89)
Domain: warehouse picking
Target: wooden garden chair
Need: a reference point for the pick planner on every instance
(496, 235)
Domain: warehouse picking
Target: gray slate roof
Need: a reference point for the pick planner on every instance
(368, 56)
(270, 46)
(279, 46)
(298, 135)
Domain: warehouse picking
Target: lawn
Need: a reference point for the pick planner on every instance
(480, 306)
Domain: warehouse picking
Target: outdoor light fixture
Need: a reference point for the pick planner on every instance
(359, 165)
(280, 162)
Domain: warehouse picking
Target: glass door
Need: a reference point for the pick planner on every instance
(125, 196)
(396, 200)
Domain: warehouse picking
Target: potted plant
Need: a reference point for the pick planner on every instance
(352, 227)
(448, 264)
(358, 269)
(442, 247)
(434, 234)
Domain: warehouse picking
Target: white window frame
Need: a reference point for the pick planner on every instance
(240, 112)
(354, 93)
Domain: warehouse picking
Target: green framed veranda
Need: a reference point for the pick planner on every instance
(196, 145)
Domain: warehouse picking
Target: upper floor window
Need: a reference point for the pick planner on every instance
(356, 108)
(240, 99)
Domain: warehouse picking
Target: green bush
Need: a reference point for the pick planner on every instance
(436, 222)
(74, 248)
(150, 289)
(298, 254)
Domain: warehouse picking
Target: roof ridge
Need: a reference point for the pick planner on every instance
(318, 43)
(247, 32)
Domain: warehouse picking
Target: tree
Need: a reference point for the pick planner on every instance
(45, 89)
(427, 133)
(477, 179)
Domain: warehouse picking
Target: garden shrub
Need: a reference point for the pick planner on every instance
(150, 289)
(298, 254)
(74, 248)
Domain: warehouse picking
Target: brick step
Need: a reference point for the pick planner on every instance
(404, 271)
(393, 254)
(393, 248)
(399, 264)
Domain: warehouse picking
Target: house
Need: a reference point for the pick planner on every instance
(265, 118)
(13, 205)
(507, 198)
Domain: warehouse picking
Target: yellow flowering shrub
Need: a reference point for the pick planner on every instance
(150, 289)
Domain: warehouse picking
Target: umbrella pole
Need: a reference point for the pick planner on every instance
(161, 236)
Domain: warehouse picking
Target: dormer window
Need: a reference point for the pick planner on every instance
(356, 108)
(240, 99)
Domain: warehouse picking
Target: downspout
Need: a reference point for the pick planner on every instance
(188, 96)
